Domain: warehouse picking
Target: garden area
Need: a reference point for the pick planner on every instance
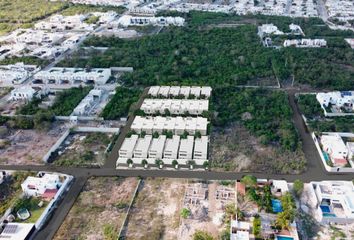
(275, 212)
(10, 189)
(86, 149)
(28, 209)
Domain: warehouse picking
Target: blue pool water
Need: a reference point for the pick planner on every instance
(326, 157)
(284, 238)
(328, 215)
(325, 209)
(276, 204)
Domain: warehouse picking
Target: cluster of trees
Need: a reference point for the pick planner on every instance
(287, 216)
(265, 113)
(121, 103)
(73, 9)
(309, 106)
(67, 100)
(225, 56)
(26, 60)
(337, 124)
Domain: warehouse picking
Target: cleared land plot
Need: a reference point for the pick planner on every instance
(27, 147)
(83, 149)
(156, 211)
(100, 209)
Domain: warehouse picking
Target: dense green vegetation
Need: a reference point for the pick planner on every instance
(86, 8)
(312, 110)
(20, 13)
(67, 100)
(120, 103)
(265, 113)
(25, 60)
(203, 54)
(309, 106)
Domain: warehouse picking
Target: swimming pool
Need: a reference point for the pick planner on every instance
(276, 205)
(284, 238)
(325, 209)
(328, 215)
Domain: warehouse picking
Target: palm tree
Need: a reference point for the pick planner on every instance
(175, 164)
(130, 162)
(144, 163)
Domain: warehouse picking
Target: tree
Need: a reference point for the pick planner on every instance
(155, 135)
(201, 235)
(197, 134)
(298, 187)
(144, 162)
(191, 164)
(159, 163)
(257, 225)
(185, 213)
(206, 165)
(175, 163)
(249, 181)
(129, 162)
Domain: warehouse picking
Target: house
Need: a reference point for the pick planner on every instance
(16, 231)
(268, 29)
(16, 73)
(305, 43)
(174, 91)
(185, 91)
(195, 91)
(88, 102)
(142, 147)
(171, 148)
(334, 145)
(36, 186)
(337, 98)
(128, 20)
(186, 148)
(164, 90)
(127, 148)
(334, 201)
(175, 106)
(26, 93)
(157, 147)
(239, 230)
(205, 91)
(153, 91)
(201, 148)
(58, 75)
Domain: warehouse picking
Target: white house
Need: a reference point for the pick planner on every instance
(310, 43)
(16, 73)
(171, 148)
(142, 147)
(17, 231)
(157, 147)
(175, 106)
(23, 93)
(334, 200)
(88, 102)
(58, 75)
(239, 230)
(127, 148)
(153, 91)
(128, 20)
(186, 148)
(334, 145)
(336, 98)
(36, 186)
(268, 29)
(201, 148)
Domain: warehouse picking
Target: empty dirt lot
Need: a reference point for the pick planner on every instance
(99, 211)
(27, 147)
(156, 212)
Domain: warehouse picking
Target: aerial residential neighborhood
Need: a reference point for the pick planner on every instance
(177, 119)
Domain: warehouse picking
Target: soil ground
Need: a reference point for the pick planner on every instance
(99, 211)
(235, 149)
(27, 147)
(156, 212)
(83, 149)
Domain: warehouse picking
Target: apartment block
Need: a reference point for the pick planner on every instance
(142, 147)
(157, 147)
(127, 148)
(186, 148)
